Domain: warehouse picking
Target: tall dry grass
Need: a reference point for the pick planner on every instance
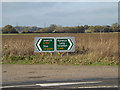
(106, 44)
(90, 44)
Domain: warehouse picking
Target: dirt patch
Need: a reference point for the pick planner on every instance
(4, 71)
(31, 72)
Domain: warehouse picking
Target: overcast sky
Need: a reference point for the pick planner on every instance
(66, 14)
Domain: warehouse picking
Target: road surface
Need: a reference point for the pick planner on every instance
(45, 76)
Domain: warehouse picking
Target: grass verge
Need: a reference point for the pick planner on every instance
(62, 60)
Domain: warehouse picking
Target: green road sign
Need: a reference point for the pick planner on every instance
(64, 44)
(45, 44)
(54, 44)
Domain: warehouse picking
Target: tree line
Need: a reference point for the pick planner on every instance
(59, 29)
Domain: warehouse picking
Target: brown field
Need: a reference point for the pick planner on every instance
(92, 45)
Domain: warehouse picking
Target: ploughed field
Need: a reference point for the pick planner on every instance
(90, 49)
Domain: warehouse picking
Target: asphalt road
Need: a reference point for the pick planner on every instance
(37, 77)
(82, 84)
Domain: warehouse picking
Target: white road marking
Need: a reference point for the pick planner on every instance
(70, 83)
(99, 87)
(17, 86)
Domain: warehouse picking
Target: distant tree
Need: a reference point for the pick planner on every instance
(77, 29)
(114, 27)
(68, 29)
(91, 29)
(9, 29)
(96, 28)
(49, 29)
(38, 29)
(45, 30)
(107, 28)
(86, 27)
(27, 28)
(80, 29)
(52, 27)
(34, 28)
(58, 29)
(118, 28)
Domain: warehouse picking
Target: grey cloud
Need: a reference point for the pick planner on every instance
(59, 13)
(14, 7)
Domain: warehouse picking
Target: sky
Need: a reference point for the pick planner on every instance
(43, 14)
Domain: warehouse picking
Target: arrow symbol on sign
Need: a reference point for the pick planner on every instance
(38, 44)
(71, 44)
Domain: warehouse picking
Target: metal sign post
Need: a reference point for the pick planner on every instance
(51, 54)
(67, 53)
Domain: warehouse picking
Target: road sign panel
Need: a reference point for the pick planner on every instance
(43, 44)
(65, 44)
